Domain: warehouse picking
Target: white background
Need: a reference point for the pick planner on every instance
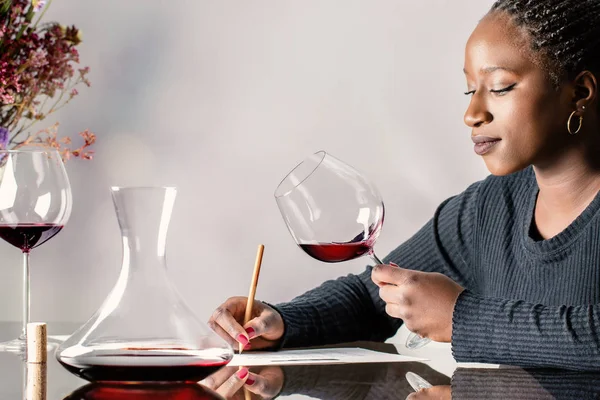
(222, 99)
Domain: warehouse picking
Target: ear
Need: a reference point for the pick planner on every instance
(586, 90)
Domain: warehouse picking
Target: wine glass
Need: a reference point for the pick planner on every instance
(35, 204)
(333, 213)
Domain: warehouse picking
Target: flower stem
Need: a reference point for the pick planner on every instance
(42, 14)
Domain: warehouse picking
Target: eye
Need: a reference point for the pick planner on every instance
(503, 91)
(470, 93)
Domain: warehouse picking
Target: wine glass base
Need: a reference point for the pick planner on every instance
(19, 346)
(415, 341)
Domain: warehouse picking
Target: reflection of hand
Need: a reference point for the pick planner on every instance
(266, 324)
(435, 393)
(229, 382)
(423, 300)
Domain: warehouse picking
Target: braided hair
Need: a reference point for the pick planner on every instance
(565, 33)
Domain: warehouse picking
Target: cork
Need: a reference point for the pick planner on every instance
(37, 342)
(36, 381)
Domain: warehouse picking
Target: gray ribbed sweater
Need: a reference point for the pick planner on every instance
(527, 302)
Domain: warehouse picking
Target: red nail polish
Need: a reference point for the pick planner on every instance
(394, 264)
(251, 332)
(250, 381)
(242, 339)
(248, 346)
(242, 373)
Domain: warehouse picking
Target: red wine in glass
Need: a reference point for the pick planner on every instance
(28, 236)
(360, 245)
(323, 200)
(335, 252)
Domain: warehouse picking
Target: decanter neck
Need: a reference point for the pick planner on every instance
(144, 214)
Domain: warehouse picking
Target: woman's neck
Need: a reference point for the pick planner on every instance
(568, 185)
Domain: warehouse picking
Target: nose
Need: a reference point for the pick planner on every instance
(477, 113)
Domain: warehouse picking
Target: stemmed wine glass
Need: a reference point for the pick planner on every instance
(35, 204)
(333, 213)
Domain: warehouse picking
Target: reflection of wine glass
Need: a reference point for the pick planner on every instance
(416, 382)
(35, 204)
(323, 199)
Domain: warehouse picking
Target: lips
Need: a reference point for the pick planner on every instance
(484, 144)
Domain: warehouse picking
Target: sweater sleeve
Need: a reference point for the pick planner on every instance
(517, 383)
(519, 333)
(350, 309)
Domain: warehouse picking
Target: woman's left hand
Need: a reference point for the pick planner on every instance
(423, 300)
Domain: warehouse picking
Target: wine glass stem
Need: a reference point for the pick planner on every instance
(375, 258)
(26, 291)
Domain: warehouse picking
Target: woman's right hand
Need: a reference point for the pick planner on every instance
(265, 328)
(443, 392)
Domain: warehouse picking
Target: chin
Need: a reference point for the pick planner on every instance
(500, 167)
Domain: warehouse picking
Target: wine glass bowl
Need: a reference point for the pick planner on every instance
(35, 204)
(323, 199)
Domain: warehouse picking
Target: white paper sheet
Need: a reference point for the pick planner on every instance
(318, 356)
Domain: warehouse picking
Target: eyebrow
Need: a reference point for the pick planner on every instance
(488, 70)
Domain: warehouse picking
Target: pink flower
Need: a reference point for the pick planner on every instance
(38, 58)
(38, 5)
(7, 98)
(38, 63)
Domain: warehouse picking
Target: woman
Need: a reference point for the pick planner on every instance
(509, 270)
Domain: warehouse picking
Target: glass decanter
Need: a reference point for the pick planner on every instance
(144, 332)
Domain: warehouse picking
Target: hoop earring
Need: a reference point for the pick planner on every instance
(569, 123)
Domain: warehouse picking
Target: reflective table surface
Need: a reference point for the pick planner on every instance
(51, 381)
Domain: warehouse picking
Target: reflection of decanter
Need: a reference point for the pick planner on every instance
(144, 331)
(187, 391)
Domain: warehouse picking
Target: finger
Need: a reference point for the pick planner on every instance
(260, 325)
(221, 332)
(420, 394)
(394, 295)
(233, 384)
(381, 275)
(218, 378)
(401, 312)
(376, 276)
(257, 344)
(431, 393)
(222, 317)
(260, 385)
(387, 274)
